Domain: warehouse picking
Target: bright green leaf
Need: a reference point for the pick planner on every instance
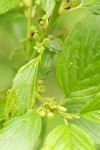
(78, 69)
(92, 128)
(22, 95)
(74, 106)
(95, 8)
(2, 109)
(69, 137)
(92, 5)
(6, 5)
(91, 110)
(65, 23)
(48, 5)
(88, 2)
(21, 133)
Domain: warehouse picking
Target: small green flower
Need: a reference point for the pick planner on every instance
(50, 115)
(39, 47)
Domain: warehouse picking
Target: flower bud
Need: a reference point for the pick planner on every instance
(61, 108)
(45, 41)
(45, 17)
(35, 36)
(42, 113)
(50, 115)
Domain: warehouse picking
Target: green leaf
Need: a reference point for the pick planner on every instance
(95, 8)
(2, 109)
(78, 69)
(92, 5)
(92, 128)
(68, 137)
(6, 5)
(11, 15)
(74, 106)
(22, 95)
(88, 2)
(65, 23)
(40, 141)
(7, 74)
(91, 110)
(45, 64)
(21, 133)
(48, 5)
(56, 45)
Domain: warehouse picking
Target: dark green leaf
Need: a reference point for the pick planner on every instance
(78, 69)
(6, 5)
(21, 133)
(22, 95)
(91, 110)
(68, 137)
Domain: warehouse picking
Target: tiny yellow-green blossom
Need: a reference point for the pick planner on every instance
(39, 47)
(50, 115)
(42, 113)
(35, 36)
(40, 86)
(52, 37)
(61, 108)
(46, 41)
(33, 29)
(45, 17)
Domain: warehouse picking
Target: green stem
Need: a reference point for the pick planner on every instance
(39, 97)
(51, 22)
(28, 43)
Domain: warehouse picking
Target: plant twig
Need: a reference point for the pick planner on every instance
(51, 22)
(39, 97)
